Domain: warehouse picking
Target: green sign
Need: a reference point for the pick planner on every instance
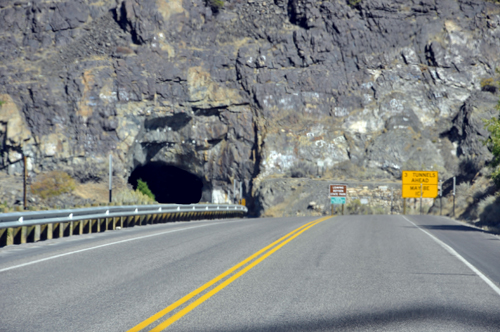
(337, 200)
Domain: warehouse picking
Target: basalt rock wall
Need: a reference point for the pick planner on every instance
(249, 91)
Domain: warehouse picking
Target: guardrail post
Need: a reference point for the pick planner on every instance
(6, 237)
(30, 233)
(64, 229)
(55, 230)
(36, 233)
(24, 234)
(68, 229)
(61, 227)
(16, 235)
(77, 227)
(3, 237)
(48, 231)
(33, 231)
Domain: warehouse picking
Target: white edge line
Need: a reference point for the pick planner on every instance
(102, 245)
(457, 255)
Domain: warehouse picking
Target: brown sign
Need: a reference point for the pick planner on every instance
(338, 190)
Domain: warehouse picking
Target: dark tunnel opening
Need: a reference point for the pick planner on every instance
(169, 184)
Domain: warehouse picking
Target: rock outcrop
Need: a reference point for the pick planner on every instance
(248, 92)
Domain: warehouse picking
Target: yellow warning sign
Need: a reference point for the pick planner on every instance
(418, 177)
(420, 184)
(413, 191)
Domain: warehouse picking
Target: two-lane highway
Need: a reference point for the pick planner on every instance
(352, 273)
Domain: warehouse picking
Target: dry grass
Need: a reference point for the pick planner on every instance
(489, 210)
(130, 197)
(276, 210)
(97, 192)
(52, 184)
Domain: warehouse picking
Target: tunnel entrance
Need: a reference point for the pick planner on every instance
(169, 184)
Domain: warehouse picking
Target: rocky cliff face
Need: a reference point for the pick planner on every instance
(250, 91)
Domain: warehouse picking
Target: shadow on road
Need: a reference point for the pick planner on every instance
(451, 228)
(400, 318)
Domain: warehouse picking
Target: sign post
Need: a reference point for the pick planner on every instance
(440, 198)
(338, 194)
(421, 199)
(25, 160)
(454, 182)
(241, 190)
(110, 178)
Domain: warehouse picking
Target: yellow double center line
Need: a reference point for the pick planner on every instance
(276, 244)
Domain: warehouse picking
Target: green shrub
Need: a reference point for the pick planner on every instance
(379, 210)
(493, 143)
(131, 197)
(143, 188)
(216, 5)
(353, 3)
(485, 203)
(486, 81)
(489, 211)
(52, 184)
(1, 103)
(355, 207)
(302, 169)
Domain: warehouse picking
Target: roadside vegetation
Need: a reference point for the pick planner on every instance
(216, 5)
(142, 187)
(488, 209)
(353, 3)
(493, 143)
(52, 184)
(356, 207)
(303, 169)
(132, 197)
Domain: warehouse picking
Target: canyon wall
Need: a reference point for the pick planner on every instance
(248, 92)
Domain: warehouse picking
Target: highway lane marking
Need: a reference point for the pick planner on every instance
(105, 245)
(276, 244)
(457, 255)
(186, 298)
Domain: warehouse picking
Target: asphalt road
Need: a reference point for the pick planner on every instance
(352, 273)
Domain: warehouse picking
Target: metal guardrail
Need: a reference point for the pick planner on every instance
(31, 224)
